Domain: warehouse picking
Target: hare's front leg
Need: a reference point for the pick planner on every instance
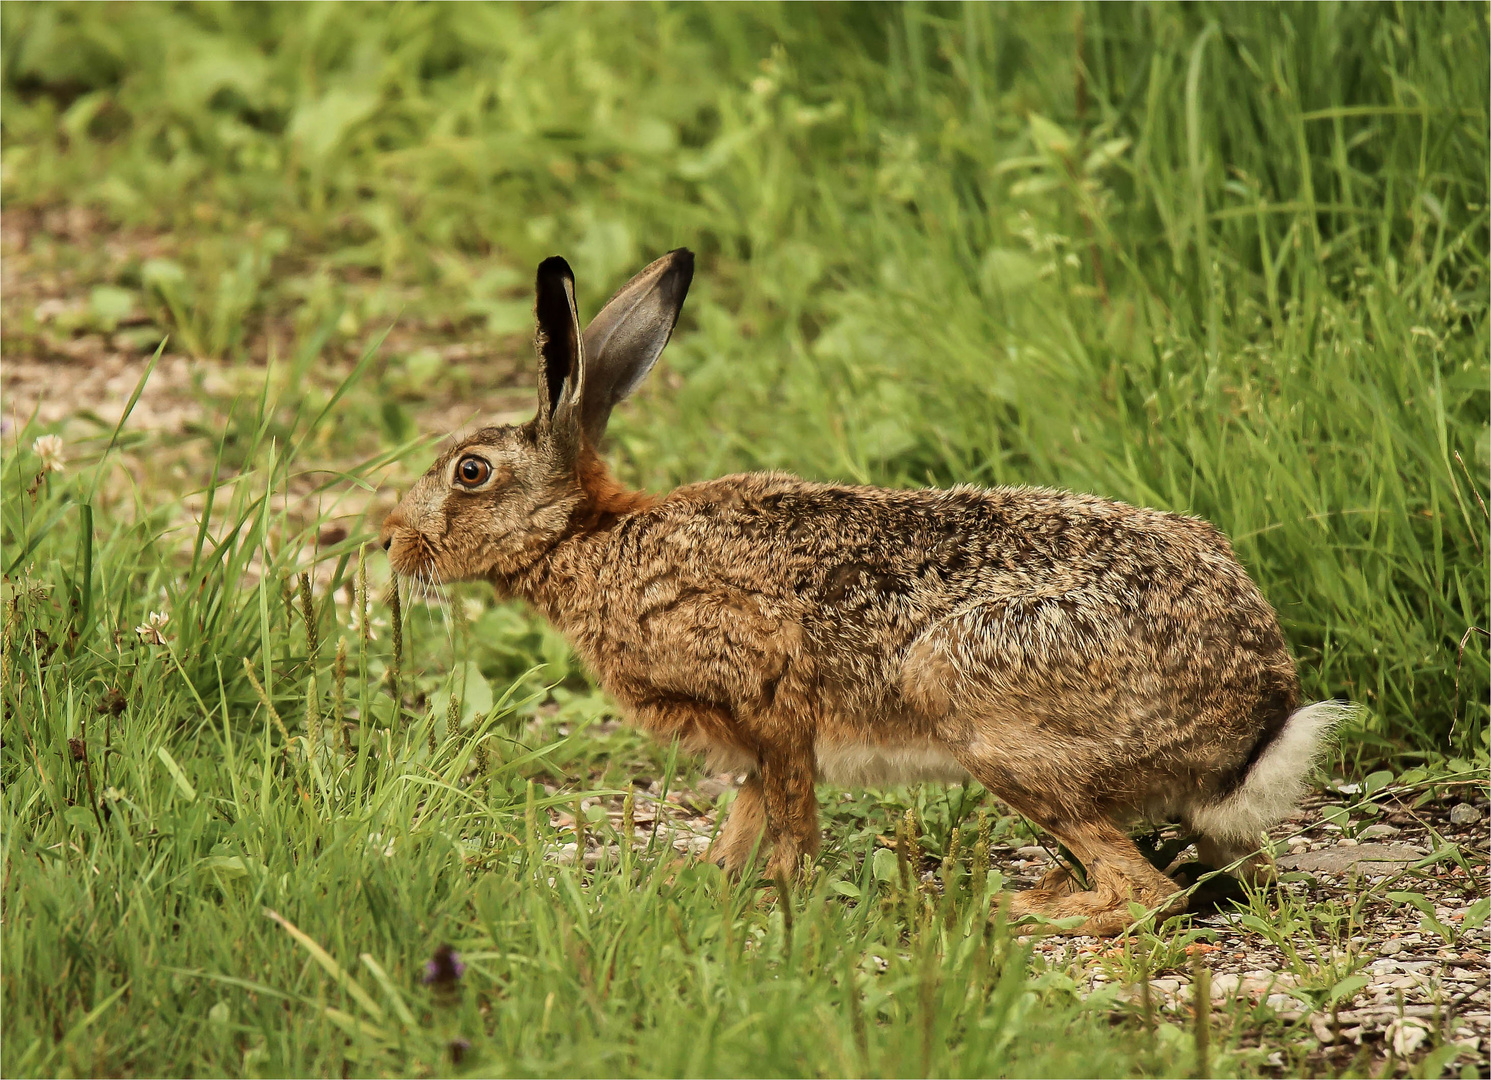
(708, 729)
(791, 807)
(779, 801)
(741, 835)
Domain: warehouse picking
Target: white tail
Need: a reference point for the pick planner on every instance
(1276, 781)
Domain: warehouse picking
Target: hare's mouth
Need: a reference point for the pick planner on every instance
(410, 556)
(414, 562)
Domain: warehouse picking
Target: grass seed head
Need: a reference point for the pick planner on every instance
(339, 683)
(361, 599)
(248, 669)
(395, 671)
(308, 613)
(452, 714)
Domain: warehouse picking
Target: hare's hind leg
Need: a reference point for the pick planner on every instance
(1059, 881)
(1005, 701)
(1117, 873)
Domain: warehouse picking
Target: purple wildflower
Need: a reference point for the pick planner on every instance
(444, 969)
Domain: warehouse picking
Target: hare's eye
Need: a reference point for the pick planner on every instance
(473, 472)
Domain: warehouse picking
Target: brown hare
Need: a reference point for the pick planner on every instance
(1090, 663)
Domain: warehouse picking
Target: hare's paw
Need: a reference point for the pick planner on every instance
(1118, 875)
(743, 833)
(1105, 911)
(1040, 902)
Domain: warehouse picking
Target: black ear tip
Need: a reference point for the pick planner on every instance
(681, 269)
(555, 266)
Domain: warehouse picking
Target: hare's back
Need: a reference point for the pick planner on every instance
(1051, 581)
(851, 549)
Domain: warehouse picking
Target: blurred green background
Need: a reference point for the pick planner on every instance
(1228, 260)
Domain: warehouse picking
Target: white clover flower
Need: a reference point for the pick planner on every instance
(354, 623)
(49, 449)
(375, 841)
(151, 631)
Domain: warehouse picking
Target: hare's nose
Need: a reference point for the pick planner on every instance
(385, 534)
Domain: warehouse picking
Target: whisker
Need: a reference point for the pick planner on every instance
(432, 589)
(447, 607)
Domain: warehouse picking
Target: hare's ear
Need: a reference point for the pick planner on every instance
(561, 353)
(624, 340)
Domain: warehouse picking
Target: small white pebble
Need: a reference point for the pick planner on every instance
(1225, 984)
(1464, 814)
(1406, 1034)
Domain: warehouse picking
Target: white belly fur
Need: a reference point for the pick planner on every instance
(879, 765)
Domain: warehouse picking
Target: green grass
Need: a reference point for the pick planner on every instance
(1227, 260)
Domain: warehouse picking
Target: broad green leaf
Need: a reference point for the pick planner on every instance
(884, 865)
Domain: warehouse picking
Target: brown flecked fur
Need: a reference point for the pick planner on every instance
(1089, 662)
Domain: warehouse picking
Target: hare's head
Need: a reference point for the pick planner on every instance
(501, 496)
